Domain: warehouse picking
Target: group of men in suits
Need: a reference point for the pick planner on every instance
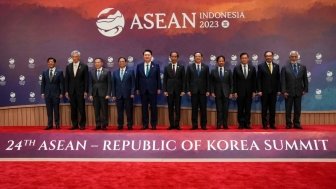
(242, 84)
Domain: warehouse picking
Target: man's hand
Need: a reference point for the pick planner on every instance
(259, 93)
(158, 91)
(189, 93)
(107, 97)
(85, 94)
(91, 98)
(114, 98)
(182, 93)
(60, 96)
(285, 95)
(132, 96)
(165, 93)
(67, 95)
(42, 96)
(207, 94)
(213, 95)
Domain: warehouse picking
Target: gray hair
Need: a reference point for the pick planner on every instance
(294, 52)
(75, 52)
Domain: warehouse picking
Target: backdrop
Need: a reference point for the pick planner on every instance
(33, 30)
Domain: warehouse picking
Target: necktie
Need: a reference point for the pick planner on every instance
(147, 70)
(50, 74)
(270, 67)
(121, 74)
(75, 67)
(296, 71)
(98, 74)
(221, 73)
(245, 71)
(198, 70)
(174, 71)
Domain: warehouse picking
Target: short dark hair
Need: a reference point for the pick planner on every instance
(147, 50)
(51, 58)
(242, 54)
(268, 52)
(102, 60)
(199, 53)
(122, 58)
(220, 56)
(171, 52)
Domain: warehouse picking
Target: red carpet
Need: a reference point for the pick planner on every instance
(24, 175)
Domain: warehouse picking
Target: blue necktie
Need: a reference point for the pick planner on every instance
(121, 74)
(198, 70)
(296, 71)
(147, 70)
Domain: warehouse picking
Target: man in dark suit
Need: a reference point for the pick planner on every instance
(148, 85)
(123, 85)
(76, 89)
(52, 89)
(173, 87)
(294, 84)
(100, 91)
(268, 87)
(221, 89)
(197, 86)
(244, 88)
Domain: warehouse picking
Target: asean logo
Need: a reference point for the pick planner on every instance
(110, 22)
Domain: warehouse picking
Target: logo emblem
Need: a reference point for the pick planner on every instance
(110, 22)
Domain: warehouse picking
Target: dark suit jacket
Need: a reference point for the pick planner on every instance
(152, 83)
(123, 88)
(78, 83)
(242, 86)
(195, 83)
(173, 82)
(100, 87)
(294, 85)
(55, 87)
(221, 86)
(267, 82)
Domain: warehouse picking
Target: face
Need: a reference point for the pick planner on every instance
(98, 63)
(122, 63)
(51, 63)
(221, 62)
(75, 57)
(147, 57)
(268, 57)
(198, 58)
(244, 59)
(173, 57)
(293, 58)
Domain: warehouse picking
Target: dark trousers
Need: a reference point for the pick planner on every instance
(52, 104)
(125, 104)
(149, 99)
(77, 104)
(222, 107)
(289, 102)
(198, 101)
(244, 110)
(268, 102)
(174, 109)
(100, 105)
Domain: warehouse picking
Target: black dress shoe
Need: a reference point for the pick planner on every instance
(48, 128)
(240, 127)
(144, 127)
(153, 128)
(225, 127)
(194, 128)
(178, 128)
(170, 128)
(297, 127)
(104, 128)
(218, 127)
(120, 127)
(288, 126)
(58, 127)
(265, 127)
(82, 128)
(74, 128)
(97, 128)
(130, 128)
(204, 128)
(272, 127)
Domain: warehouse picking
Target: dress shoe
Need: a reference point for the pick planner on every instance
(74, 128)
(58, 127)
(218, 127)
(225, 127)
(248, 127)
(82, 128)
(265, 127)
(272, 127)
(48, 128)
(240, 127)
(97, 128)
(170, 128)
(104, 128)
(178, 128)
(144, 128)
(153, 127)
(120, 127)
(297, 127)
(130, 128)
(204, 128)
(194, 128)
(288, 126)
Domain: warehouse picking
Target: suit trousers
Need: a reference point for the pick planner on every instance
(244, 110)
(222, 107)
(174, 109)
(77, 104)
(100, 105)
(198, 101)
(149, 99)
(52, 104)
(268, 102)
(289, 102)
(125, 105)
